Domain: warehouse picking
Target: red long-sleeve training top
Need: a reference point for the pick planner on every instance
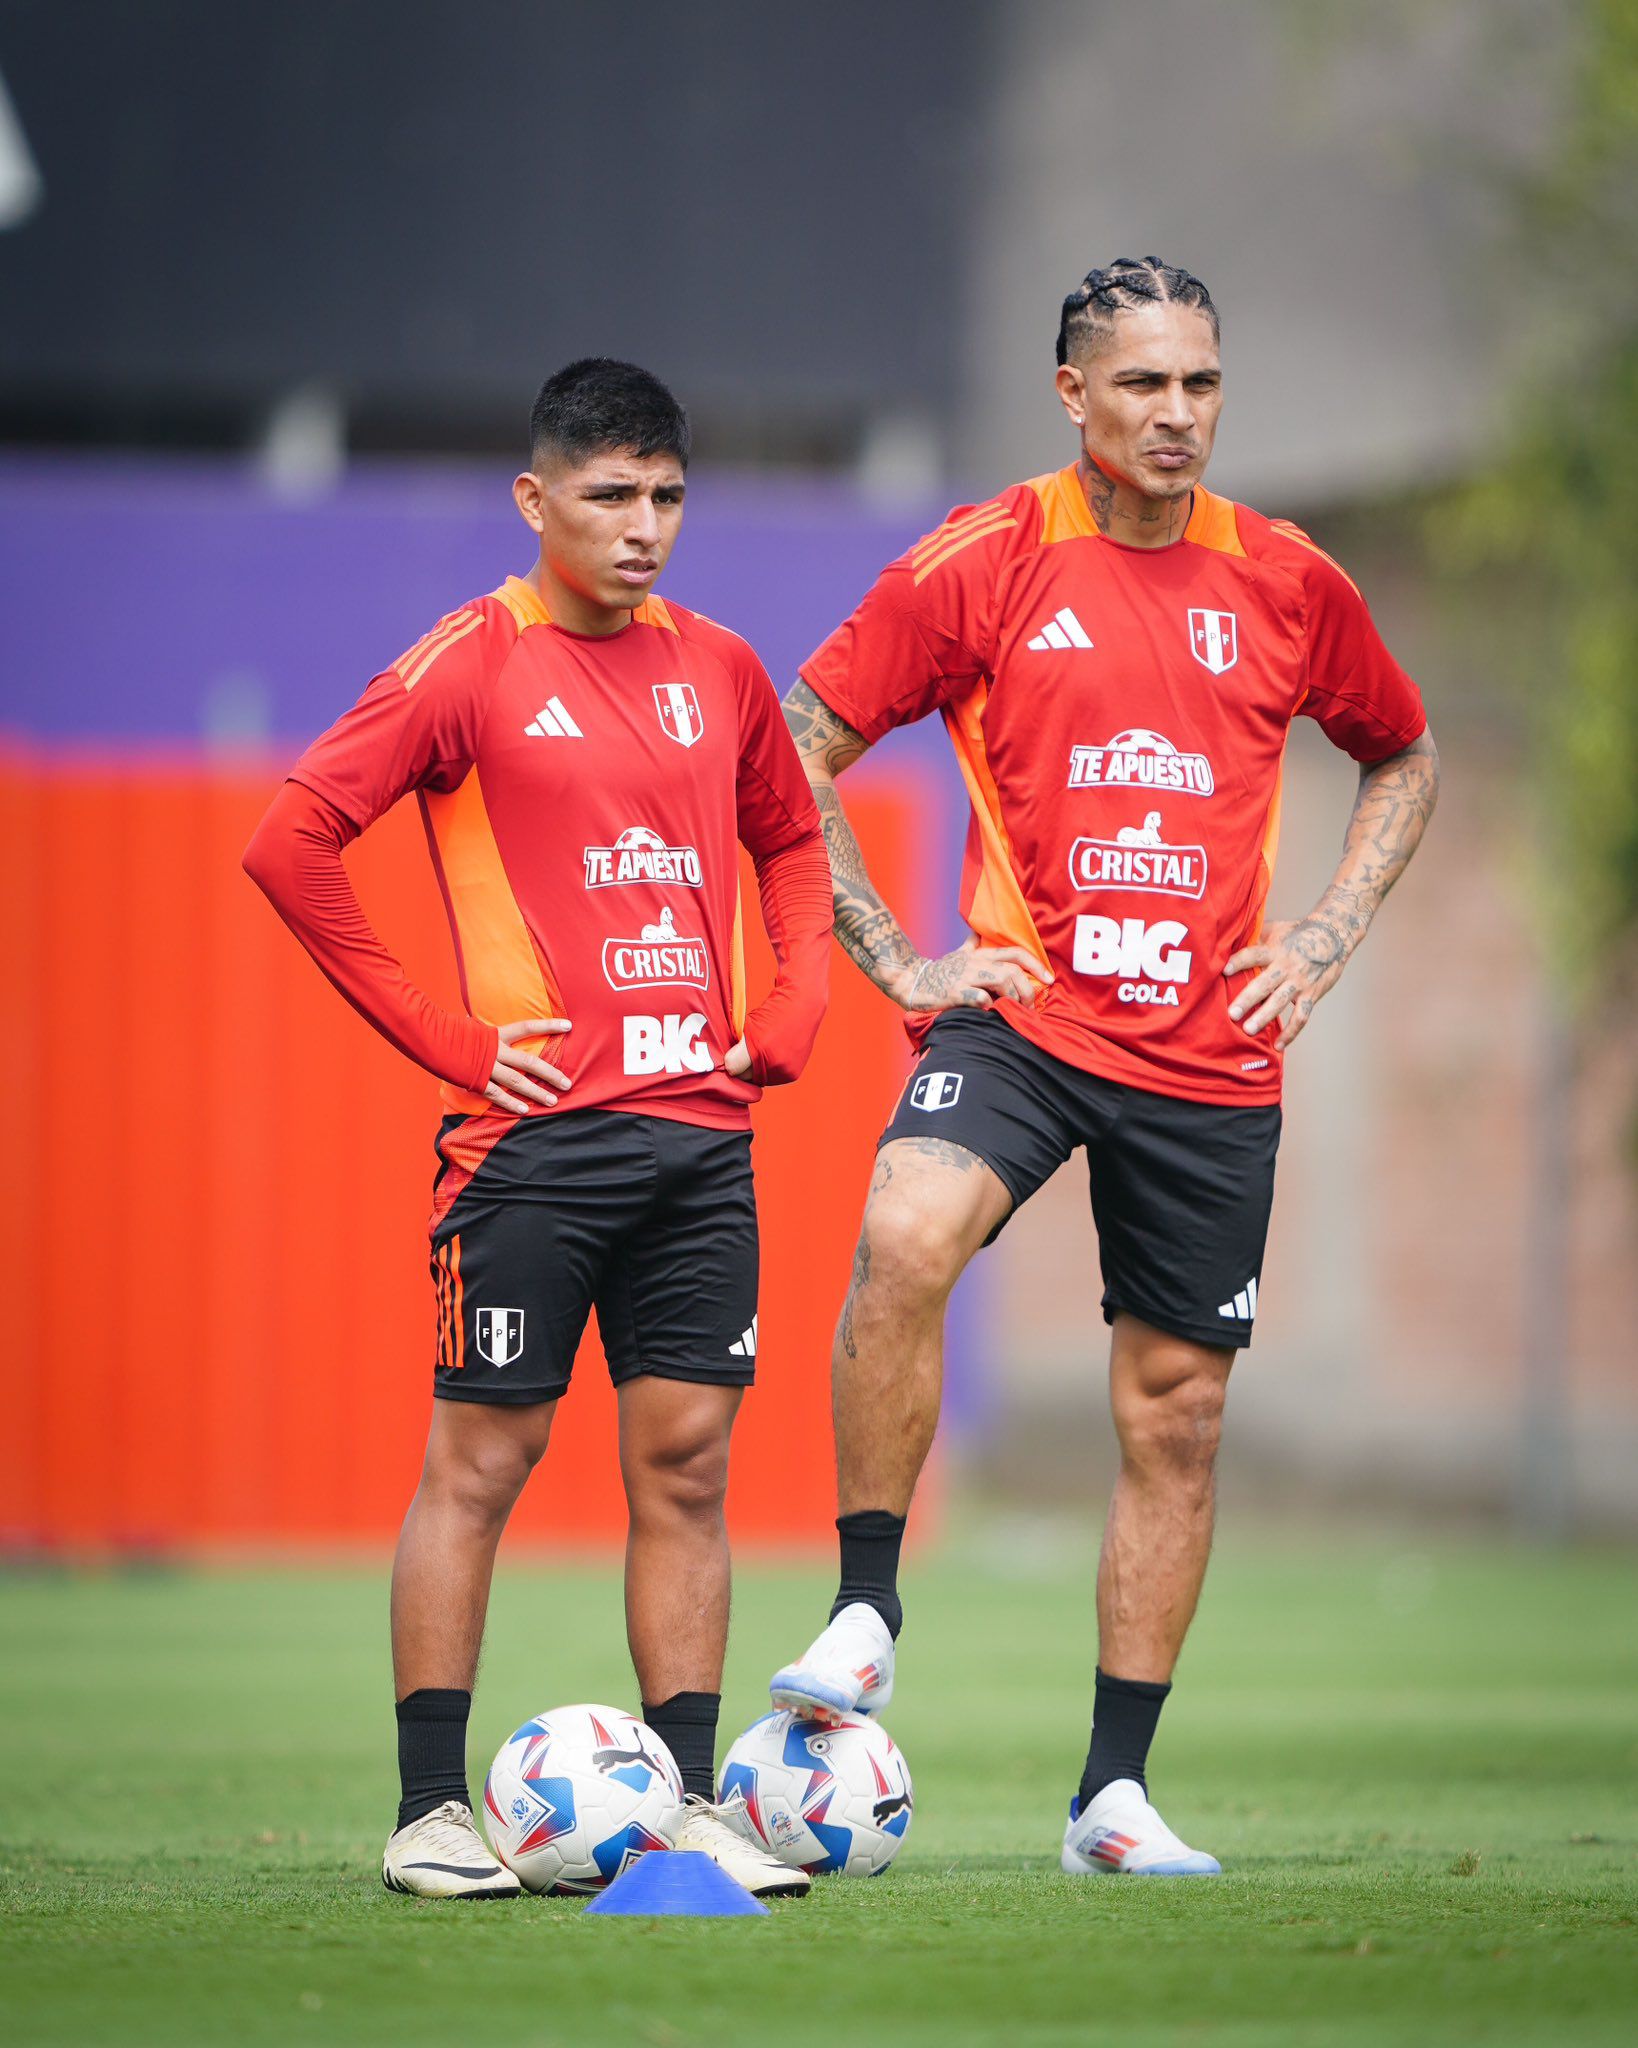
(584, 799)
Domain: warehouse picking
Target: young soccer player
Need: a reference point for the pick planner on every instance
(1117, 655)
(587, 758)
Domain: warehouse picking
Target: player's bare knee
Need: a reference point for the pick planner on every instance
(1176, 1426)
(910, 1249)
(684, 1475)
(483, 1475)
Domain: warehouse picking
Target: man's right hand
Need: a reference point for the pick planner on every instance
(520, 1078)
(972, 978)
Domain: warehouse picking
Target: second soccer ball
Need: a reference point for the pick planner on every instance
(821, 1798)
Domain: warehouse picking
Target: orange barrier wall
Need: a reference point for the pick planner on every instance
(219, 1322)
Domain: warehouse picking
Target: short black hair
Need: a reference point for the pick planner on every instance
(598, 403)
(1128, 285)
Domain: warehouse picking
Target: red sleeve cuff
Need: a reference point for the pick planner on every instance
(798, 910)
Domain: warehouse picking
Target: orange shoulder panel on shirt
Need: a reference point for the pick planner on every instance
(1287, 530)
(524, 602)
(959, 531)
(1214, 523)
(448, 632)
(1065, 513)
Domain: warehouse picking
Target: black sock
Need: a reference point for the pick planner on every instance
(687, 1725)
(1124, 1714)
(870, 1565)
(431, 1751)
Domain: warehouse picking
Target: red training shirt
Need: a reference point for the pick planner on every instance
(583, 800)
(1119, 715)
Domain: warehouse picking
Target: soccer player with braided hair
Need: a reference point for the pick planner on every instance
(1117, 654)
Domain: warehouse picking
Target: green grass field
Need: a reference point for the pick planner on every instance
(1417, 1768)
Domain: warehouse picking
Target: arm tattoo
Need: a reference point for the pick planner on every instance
(1391, 812)
(867, 930)
(822, 739)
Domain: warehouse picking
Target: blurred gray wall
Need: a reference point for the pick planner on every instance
(843, 233)
(1333, 174)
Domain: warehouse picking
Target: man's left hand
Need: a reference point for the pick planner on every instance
(1295, 965)
(736, 1061)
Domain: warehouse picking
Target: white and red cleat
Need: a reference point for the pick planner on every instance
(1121, 1833)
(848, 1669)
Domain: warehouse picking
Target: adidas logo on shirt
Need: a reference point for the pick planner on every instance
(1243, 1308)
(745, 1346)
(552, 722)
(1064, 630)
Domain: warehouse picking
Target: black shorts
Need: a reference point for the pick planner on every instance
(1181, 1191)
(651, 1222)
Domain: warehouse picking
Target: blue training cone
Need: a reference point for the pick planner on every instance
(676, 1881)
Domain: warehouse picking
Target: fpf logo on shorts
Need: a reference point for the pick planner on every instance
(500, 1334)
(935, 1091)
(680, 713)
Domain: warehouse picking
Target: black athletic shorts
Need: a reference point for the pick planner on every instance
(1181, 1191)
(650, 1221)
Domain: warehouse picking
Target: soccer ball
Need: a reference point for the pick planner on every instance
(577, 1795)
(821, 1798)
(1138, 739)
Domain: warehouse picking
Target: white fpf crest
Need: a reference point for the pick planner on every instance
(500, 1334)
(1214, 639)
(935, 1091)
(679, 712)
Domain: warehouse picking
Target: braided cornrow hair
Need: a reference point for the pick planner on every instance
(1126, 286)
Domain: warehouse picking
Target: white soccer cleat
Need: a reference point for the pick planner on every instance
(847, 1670)
(1121, 1832)
(442, 1856)
(705, 1828)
